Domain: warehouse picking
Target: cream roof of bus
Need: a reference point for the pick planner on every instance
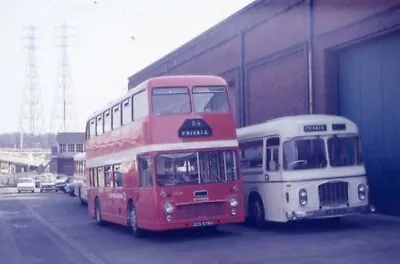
(160, 81)
(289, 126)
(80, 156)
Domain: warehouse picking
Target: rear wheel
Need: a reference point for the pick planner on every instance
(132, 221)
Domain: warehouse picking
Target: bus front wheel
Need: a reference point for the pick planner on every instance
(132, 221)
(257, 214)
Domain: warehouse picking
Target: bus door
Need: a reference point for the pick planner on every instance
(119, 197)
(145, 203)
(273, 164)
(273, 190)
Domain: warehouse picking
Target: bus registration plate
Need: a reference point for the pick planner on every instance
(203, 223)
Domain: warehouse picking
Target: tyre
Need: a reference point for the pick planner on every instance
(132, 221)
(257, 215)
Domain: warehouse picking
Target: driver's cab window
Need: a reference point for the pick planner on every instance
(272, 154)
(145, 171)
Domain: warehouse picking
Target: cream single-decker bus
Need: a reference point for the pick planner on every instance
(303, 167)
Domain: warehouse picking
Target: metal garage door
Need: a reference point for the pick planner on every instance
(369, 94)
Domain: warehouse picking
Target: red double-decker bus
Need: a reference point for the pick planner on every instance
(165, 156)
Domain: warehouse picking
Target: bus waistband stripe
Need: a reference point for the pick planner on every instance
(130, 154)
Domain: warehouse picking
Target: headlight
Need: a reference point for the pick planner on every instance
(303, 197)
(362, 191)
(233, 202)
(168, 207)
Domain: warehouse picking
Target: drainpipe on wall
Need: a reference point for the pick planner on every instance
(310, 57)
(242, 82)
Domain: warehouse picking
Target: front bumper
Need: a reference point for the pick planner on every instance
(60, 186)
(195, 223)
(47, 188)
(26, 189)
(329, 212)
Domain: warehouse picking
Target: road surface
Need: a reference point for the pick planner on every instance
(54, 228)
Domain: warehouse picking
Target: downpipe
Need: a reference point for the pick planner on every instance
(310, 57)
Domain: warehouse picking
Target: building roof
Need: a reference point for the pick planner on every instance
(195, 41)
(29, 161)
(70, 137)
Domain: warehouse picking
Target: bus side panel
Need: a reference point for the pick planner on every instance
(272, 196)
(146, 207)
(91, 196)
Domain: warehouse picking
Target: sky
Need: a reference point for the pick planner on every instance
(109, 40)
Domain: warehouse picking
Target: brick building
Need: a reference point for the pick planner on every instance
(353, 70)
(62, 155)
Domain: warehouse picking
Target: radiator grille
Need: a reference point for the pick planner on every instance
(333, 193)
(189, 211)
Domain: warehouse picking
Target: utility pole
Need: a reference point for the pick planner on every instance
(31, 121)
(64, 115)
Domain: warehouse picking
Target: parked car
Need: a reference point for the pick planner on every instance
(70, 188)
(37, 182)
(26, 185)
(61, 182)
(47, 184)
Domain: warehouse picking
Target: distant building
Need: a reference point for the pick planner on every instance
(62, 154)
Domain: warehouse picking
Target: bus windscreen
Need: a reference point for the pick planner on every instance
(170, 100)
(193, 168)
(210, 99)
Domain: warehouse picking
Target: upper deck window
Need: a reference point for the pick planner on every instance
(171, 100)
(140, 105)
(99, 125)
(116, 119)
(210, 99)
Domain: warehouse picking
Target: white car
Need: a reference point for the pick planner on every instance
(26, 185)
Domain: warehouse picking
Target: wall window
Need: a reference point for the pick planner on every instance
(71, 147)
(126, 111)
(251, 153)
(116, 116)
(99, 125)
(92, 128)
(79, 147)
(272, 154)
(118, 177)
(108, 176)
(62, 148)
(145, 165)
(107, 121)
(140, 105)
